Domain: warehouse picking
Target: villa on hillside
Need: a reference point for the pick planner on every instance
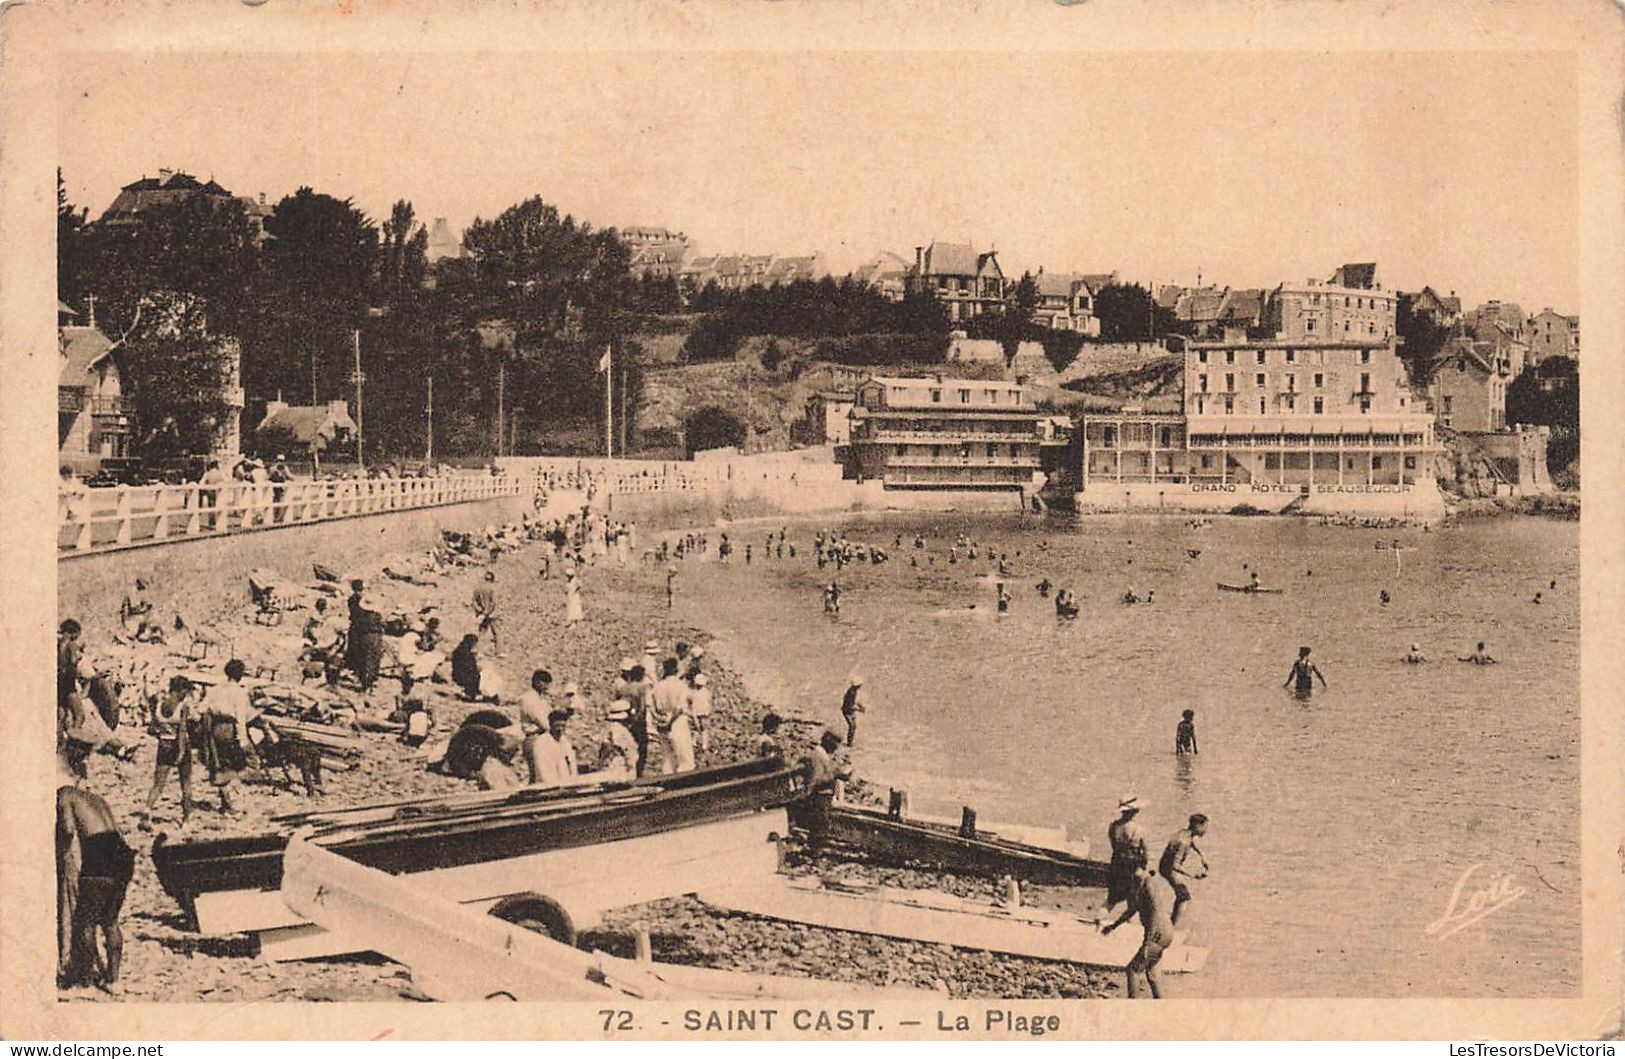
(966, 282)
(93, 419)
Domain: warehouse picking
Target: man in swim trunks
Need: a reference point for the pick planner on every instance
(1303, 674)
(91, 895)
(1182, 862)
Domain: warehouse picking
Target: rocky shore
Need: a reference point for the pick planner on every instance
(625, 605)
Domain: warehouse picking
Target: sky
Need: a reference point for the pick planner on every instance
(1248, 169)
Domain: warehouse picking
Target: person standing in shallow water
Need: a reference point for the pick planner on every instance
(1303, 675)
(1185, 734)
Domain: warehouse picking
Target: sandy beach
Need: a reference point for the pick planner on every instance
(625, 605)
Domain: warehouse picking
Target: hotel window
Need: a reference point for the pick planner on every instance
(1260, 379)
(964, 397)
(1109, 438)
(1230, 381)
(1410, 463)
(1376, 463)
(1201, 383)
(1291, 382)
(990, 449)
(1365, 356)
(1259, 356)
(1291, 403)
(1320, 405)
(992, 396)
(1320, 380)
(1229, 356)
(1291, 356)
(1262, 404)
(1345, 301)
(1167, 437)
(1365, 405)
(1229, 404)
(1201, 356)
(1371, 328)
(1365, 382)
(1314, 299)
(936, 396)
(936, 451)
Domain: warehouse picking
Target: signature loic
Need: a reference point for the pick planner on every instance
(1469, 905)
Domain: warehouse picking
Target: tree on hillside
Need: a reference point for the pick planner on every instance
(174, 374)
(712, 428)
(316, 284)
(1124, 311)
(1061, 348)
(1015, 322)
(398, 347)
(1420, 342)
(202, 249)
(72, 247)
(1547, 394)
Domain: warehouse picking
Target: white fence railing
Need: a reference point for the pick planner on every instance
(100, 520)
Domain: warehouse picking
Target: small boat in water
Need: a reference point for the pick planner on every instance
(1256, 590)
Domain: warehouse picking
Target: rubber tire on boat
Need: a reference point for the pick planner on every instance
(537, 913)
(488, 719)
(469, 747)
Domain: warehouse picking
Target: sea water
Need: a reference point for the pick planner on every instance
(1411, 830)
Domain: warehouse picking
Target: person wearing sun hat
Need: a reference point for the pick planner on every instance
(618, 752)
(1129, 853)
(852, 705)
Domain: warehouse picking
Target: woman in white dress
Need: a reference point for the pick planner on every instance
(572, 599)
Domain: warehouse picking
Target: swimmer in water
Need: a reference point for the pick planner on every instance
(1303, 674)
(1185, 734)
(1415, 656)
(1479, 657)
(1384, 598)
(1536, 600)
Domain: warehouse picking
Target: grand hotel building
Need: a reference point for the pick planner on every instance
(1286, 415)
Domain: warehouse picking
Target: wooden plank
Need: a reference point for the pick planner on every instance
(458, 954)
(454, 954)
(930, 915)
(586, 880)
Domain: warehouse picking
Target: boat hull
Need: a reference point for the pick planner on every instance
(908, 842)
(506, 826)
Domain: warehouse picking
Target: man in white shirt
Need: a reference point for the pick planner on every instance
(534, 705)
(552, 757)
(668, 716)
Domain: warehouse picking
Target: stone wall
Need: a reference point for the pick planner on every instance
(206, 577)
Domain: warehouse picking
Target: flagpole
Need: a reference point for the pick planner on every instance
(609, 401)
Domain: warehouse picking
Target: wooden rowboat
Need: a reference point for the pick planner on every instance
(993, 851)
(930, 915)
(467, 829)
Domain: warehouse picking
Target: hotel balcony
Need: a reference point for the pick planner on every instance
(963, 461)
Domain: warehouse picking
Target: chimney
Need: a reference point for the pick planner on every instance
(262, 198)
(164, 175)
(919, 260)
